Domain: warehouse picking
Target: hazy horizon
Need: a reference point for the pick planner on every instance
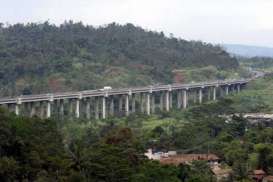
(214, 21)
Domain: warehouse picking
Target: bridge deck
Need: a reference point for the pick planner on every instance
(97, 93)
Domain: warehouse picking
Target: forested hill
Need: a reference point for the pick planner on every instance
(37, 58)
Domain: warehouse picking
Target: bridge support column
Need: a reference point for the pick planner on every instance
(194, 95)
(200, 96)
(127, 105)
(49, 105)
(179, 99)
(9, 107)
(171, 100)
(41, 105)
(133, 103)
(88, 105)
(112, 106)
(142, 103)
(161, 101)
(61, 108)
(103, 107)
(120, 102)
(152, 103)
(17, 106)
(71, 107)
(185, 99)
(97, 114)
(32, 109)
(214, 93)
(167, 101)
(148, 104)
(227, 89)
(77, 109)
(209, 94)
(17, 109)
(238, 88)
(233, 88)
(48, 110)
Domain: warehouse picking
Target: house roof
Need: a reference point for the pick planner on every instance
(259, 172)
(268, 178)
(186, 158)
(221, 171)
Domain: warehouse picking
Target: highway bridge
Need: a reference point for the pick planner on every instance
(109, 102)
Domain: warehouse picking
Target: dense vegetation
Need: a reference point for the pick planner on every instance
(34, 150)
(112, 150)
(257, 63)
(43, 57)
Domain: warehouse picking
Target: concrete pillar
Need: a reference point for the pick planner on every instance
(167, 101)
(61, 108)
(195, 95)
(148, 106)
(127, 105)
(209, 96)
(97, 108)
(103, 107)
(179, 99)
(227, 89)
(49, 105)
(33, 109)
(48, 109)
(152, 103)
(120, 103)
(17, 106)
(41, 109)
(171, 100)
(238, 88)
(17, 109)
(71, 103)
(142, 103)
(27, 107)
(9, 107)
(112, 106)
(214, 93)
(232, 88)
(161, 101)
(133, 103)
(185, 99)
(77, 109)
(200, 96)
(88, 105)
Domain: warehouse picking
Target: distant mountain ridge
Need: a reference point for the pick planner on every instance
(249, 51)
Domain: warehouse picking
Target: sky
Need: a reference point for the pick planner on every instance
(247, 22)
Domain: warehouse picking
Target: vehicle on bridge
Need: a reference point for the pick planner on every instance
(105, 88)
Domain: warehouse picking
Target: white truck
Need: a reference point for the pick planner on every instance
(106, 88)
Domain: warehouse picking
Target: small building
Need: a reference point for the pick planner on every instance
(268, 179)
(221, 173)
(188, 158)
(258, 175)
(159, 155)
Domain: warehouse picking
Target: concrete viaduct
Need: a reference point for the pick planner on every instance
(117, 102)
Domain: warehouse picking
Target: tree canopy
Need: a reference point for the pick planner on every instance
(42, 57)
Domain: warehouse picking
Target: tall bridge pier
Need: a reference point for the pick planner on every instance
(120, 102)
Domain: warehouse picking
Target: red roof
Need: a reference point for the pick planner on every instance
(259, 172)
(186, 158)
(268, 178)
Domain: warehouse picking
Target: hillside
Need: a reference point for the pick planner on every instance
(249, 51)
(77, 150)
(36, 58)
